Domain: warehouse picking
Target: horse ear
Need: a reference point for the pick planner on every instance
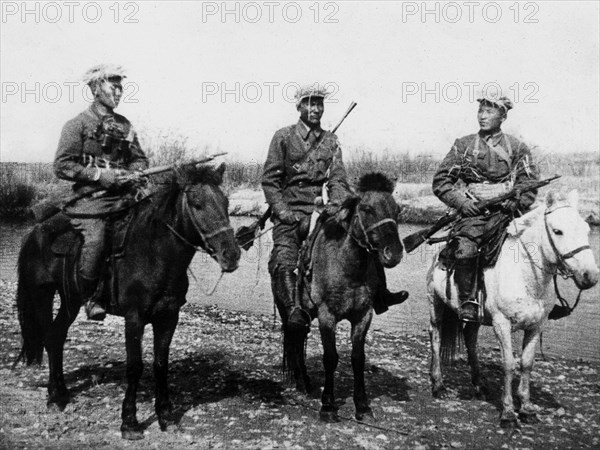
(551, 198)
(347, 210)
(573, 198)
(221, 170)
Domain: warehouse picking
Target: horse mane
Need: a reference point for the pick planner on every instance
(335, 226)
(375, 181)
(165, 197)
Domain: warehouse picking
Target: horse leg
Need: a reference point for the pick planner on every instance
(435, 370)
(471, 331)
(508, 418)
(359, 333)
(55, 342)
(134, 331)
(327, 323)
(163, 328)
(527, 414)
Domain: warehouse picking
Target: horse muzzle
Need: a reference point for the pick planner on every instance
(389, 256)
(586, 279)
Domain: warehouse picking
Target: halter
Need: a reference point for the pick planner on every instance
(204, 237)
(562, 268)
(367, 245)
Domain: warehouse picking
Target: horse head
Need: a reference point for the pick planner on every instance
(370, 218)
(567, 243)
(205, 217)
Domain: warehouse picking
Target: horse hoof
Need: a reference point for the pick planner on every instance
(132, 435)
(132, 432)
(508, 423)
(440, 392)
(529, 418)
(329, 417)
(481, 393)
(166, 421)
(59, 401)
(364, 414)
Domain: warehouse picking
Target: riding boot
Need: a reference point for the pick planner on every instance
(384, 298)
(464, 277)
(297, 318)
(93, 308)
(89, 270)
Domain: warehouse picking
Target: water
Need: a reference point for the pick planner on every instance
(249, 289)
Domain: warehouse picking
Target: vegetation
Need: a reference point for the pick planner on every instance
(22, 185)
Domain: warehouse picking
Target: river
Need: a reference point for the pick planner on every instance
(249, 289)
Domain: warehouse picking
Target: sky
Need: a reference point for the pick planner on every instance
(222, 74)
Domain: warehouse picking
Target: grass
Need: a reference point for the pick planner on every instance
(22, 184)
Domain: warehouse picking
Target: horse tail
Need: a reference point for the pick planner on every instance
(450, 335)
(34, 316)
(294, 352)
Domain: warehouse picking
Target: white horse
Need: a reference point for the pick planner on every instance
(549, 240)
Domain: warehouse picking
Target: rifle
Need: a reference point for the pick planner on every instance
(46, 209)
(246, 235)
(414, 240)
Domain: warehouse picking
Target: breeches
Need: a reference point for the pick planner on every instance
(287, 241)
(93, 231)
(471, 233)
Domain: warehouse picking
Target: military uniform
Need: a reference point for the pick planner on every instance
(299, 163)
(488, 164)
(93, 147)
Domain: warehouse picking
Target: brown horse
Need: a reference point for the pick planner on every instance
(344, 279)
(149, 283)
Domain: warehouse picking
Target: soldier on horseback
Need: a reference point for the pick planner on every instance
(489, 163)
(302, 158)
(100, 152)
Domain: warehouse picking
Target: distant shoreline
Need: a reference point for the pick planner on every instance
(421, 210)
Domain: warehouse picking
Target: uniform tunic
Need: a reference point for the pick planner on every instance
(80, 148)
(300, 161)
(478, 158)
(79, 154)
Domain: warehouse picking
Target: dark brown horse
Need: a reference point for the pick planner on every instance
(149, 282)
(343, 282)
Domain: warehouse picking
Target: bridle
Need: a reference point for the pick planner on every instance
(366, 243)
(204, 237)
(561, 266)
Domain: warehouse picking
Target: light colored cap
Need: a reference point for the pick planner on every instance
(504, 103)
(103, 72)
(311, 90)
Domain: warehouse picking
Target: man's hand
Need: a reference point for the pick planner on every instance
(117, 177)
(288, 217)
(510, 205)
(128, 176)
(469, 209)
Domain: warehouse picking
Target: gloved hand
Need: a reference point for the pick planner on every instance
(128, 176)
(112, 178)
(288, 217)
(469, 209)
(510, 205)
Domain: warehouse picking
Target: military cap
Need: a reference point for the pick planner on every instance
(103, 72)
(310, 90)
(504, 103)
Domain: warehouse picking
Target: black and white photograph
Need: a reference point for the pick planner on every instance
(300, 224)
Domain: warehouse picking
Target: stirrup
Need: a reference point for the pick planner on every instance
(302, 319)
(95, 311)
(473, 312)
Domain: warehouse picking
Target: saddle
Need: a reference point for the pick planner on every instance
(65, 243)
